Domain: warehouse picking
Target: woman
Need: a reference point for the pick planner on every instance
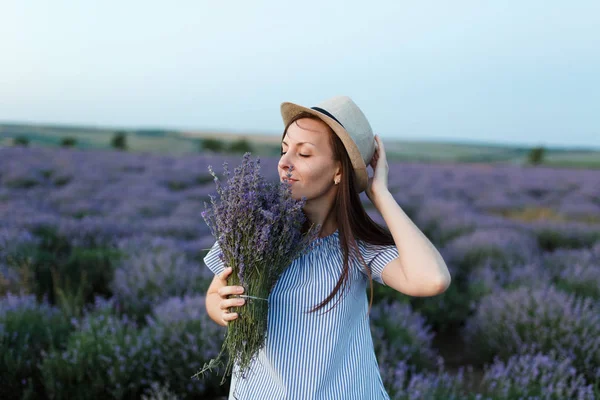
(325, 151)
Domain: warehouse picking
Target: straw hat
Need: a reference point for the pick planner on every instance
(351, 126)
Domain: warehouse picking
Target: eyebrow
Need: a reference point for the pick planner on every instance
(299, 143)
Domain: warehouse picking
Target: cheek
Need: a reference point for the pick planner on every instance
(315, 181)
(307, 171)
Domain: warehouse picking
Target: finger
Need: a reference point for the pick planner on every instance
(225, 273)
(228, 290)
(380, 145)
(229, 316)
(380, 153)
(235, 302)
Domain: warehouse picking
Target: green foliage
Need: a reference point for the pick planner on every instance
(550, 239)
(153, 133)
(26, 332)
(68, 142)
(440, 235)
(212, 144)
(177, 185)
(544, 319)
(21, 141)
(184, 336)
(447, 310)
(581, 287)
(536, 155)
(112, 357)
(240, 146)
(22, 183)
(159, 392)
(382, 293)
(69, 276)
(403, 382)
(410, 340)
(119, 140)
(103, 359)
(17, 267)
(534, 375)
(62, 180)
(479, 255)
(271, 150)
(204, 179)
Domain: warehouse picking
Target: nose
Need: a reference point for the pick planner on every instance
(284, 162)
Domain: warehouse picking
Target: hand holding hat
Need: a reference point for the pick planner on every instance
(378, 183)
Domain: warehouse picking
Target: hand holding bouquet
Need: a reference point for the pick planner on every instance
(260, 230)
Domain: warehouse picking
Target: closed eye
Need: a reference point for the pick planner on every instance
(301, 155)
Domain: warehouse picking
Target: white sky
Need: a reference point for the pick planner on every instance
(514, 72)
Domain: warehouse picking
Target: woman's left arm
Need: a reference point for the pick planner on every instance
(419, 269)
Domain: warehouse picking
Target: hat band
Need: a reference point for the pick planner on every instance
(319, 109)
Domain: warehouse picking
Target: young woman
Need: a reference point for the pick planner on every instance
(325, 151)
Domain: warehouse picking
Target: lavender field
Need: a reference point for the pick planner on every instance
(102, 279)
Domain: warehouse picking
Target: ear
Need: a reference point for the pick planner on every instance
(338, 172)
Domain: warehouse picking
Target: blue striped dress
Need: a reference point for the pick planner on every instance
(316, 356)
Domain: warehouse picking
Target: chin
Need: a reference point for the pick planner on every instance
(296, 196)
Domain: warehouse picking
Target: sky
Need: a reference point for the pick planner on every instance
(505, 72)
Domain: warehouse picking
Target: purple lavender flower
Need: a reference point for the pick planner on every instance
(504, 246)
(544, 319)
(410, 340)
(535, 375)
(114, 351)
(487, 278)
(183, 335)
(404, 382)
(258, 256)
(575, 271)
(27, 330)
(154, 269)
(563, 234)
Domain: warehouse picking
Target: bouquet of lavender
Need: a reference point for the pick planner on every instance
(260, 229)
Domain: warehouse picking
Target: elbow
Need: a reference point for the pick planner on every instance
(443, 281)
(432, 288)
(442, 285)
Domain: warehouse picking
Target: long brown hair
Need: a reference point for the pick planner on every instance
(353, 221)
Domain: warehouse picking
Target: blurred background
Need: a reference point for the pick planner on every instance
(111, 114)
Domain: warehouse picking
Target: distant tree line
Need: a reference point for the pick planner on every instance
(219, 146)
(118, 141)
(535, 156)
(24, 141)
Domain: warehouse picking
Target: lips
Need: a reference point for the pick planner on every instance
(285, 178)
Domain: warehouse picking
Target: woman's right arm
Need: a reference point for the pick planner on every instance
(218, 301)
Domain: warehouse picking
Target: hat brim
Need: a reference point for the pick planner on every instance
(290, 110)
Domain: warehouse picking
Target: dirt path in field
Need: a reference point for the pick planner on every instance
(452, 347)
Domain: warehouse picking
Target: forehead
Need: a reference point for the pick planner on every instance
(307, 130)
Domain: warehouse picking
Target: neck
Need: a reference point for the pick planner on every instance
(322, 211)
